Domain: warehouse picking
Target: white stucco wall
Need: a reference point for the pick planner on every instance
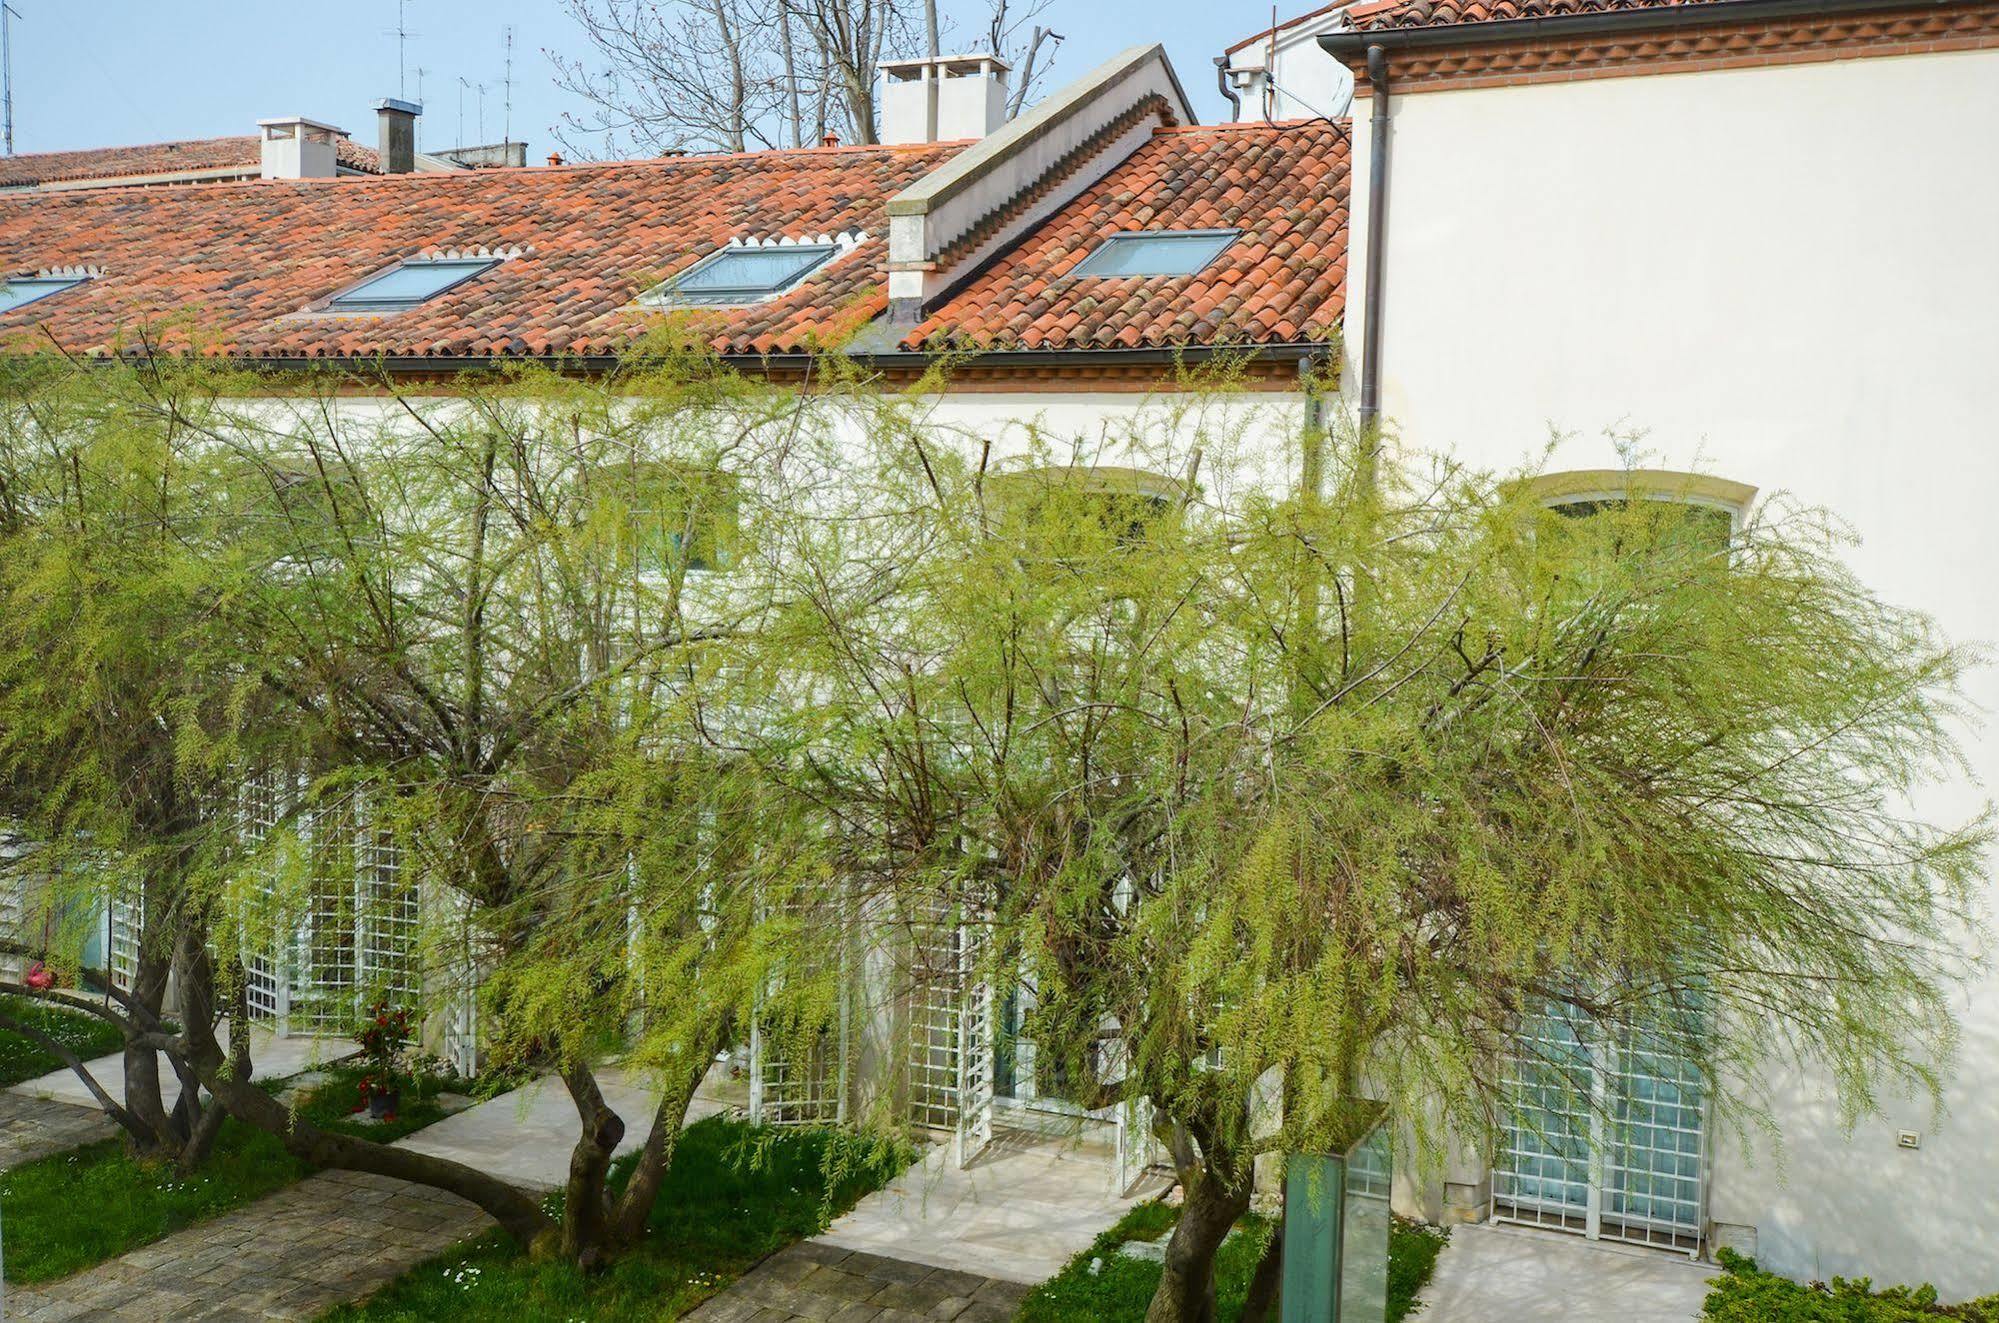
(1789, 277)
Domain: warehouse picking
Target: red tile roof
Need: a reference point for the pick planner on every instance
(1438, 13)
(1283, 281)
(243, 260)
(160, 158)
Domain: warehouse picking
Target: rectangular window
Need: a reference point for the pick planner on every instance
(744, 275)
(20, 291)
(409, 284)
(1157, 253)
(676, 517)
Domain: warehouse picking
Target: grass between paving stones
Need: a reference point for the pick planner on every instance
(23, 1059)
(1121, 1287)
(733, 1195)
(71, 1210)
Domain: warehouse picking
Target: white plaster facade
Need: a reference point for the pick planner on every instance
(1785, 276)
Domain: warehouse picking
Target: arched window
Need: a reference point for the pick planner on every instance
(1127, 502)
(1583, 492)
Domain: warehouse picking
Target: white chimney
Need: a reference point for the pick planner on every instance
(299, 148)
(943, 100)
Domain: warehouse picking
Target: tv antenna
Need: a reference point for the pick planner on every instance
(462, 85)
(402, 35)
(506, 132)
(481, 87)
(7, 14)
(420, 72)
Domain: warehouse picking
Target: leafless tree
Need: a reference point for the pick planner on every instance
(734, 75)
(669, 77)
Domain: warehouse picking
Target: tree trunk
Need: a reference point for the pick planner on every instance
(656, 1158)
(518, 1212)
(586, 1211)
(1186, 1291)
(152, 1130)
(1260, 1305)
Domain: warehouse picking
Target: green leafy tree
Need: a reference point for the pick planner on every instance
(1280, 794)
(113, 555)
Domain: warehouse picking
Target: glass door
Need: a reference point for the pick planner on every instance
(1605, 1139)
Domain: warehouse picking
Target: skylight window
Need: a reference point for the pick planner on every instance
(744, 275)
(20, 291)
(408, 284)
(1157, 253)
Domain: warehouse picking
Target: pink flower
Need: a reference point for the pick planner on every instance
(40, 978)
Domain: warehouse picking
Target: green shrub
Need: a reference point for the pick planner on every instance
(1745, 1293)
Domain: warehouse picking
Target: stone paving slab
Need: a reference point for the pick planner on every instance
(32, 1128)
(1501, 1274)
(812, 1282)
(333, 1237)
(1022, 1210)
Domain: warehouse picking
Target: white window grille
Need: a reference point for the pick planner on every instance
(1604, 1139)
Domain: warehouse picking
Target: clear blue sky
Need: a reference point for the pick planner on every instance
(93, 73)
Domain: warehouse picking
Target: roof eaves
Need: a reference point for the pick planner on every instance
(1355, 44)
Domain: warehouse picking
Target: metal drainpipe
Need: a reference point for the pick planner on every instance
(1377, 243)
(1233, 97)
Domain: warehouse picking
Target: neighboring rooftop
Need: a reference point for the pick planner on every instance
(1282, 280)
(1374, 14)
(247, 269)
(241, 265)
(204, 160)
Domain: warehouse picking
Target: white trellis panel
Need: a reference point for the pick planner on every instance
(789, 1087)
(259, 810)
(356, 936)
(454, 973)
(952, 1028)
(123, 925)
(1602, 1139)
(977, 1041)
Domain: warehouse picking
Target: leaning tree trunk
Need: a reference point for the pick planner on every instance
(1217, 1183)
(518, 1212)
(586, 1221)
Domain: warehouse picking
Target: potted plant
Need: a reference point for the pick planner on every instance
(384, 1037)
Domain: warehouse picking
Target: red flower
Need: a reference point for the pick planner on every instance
(40, 978)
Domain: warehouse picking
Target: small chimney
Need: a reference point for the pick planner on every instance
(555, 158)
(832, 139)
(299, 148)
(395, 135)
(943, 100)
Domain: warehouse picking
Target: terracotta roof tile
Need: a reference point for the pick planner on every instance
(242, 260)
(160, 158)
(1438, 13)
(1285, 186)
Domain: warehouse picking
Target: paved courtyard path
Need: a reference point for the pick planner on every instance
(816, 1281)
(32, 1127)
(333, 1237)
(336, 1236)
(1019, 1212)
(1497, 1274)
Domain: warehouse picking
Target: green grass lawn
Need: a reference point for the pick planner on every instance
(734, 1195)
(21, 1059)
(70, 1210)
(1120, 1288)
